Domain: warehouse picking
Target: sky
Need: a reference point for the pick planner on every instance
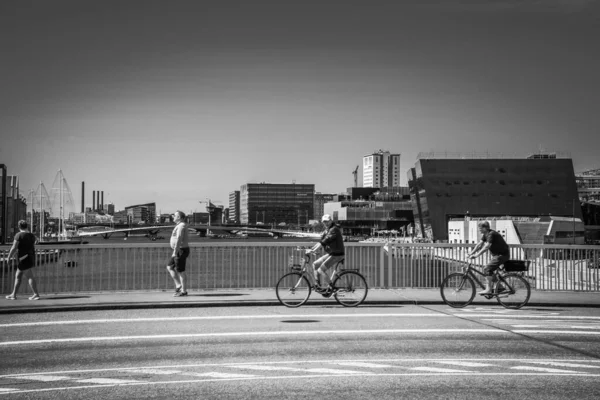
(176, 102)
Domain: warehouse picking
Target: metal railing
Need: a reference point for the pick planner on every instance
(98, 268)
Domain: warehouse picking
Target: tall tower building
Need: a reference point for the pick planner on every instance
(381, 169)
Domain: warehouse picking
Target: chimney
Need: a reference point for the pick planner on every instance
(97, 200)
(82, 197)
(102, 200)
(93, 200)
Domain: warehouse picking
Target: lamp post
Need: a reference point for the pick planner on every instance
(4, 211)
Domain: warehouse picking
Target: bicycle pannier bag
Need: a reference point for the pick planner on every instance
(516, 265)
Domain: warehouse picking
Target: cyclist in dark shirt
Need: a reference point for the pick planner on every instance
(24, 247)
(333, 243)
(495, 243)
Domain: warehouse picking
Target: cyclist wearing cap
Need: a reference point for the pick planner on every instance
(333, 243)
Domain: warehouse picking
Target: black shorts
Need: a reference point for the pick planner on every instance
(178, 262)
(26, 263)
(495, 263)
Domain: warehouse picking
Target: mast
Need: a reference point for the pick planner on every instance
(41, 214)
(60, 212)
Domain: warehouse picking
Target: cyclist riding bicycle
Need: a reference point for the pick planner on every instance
(495, 243)
(333, 243)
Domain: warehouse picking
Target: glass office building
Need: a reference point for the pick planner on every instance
(272, 204)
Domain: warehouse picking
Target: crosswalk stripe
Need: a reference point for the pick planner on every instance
(465, 363)
(44, 378)
(432, 369)
(538, 369)
(564, 364)
(107, 381)
(363, 364)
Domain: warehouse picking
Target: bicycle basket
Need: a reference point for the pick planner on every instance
(295, 260)
(516, 266)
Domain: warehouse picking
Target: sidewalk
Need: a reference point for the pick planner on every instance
(258, 297)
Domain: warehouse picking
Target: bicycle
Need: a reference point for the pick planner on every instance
(348, 286)
(510, 289)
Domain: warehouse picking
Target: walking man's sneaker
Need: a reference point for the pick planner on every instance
(180, 293)
(178, 289)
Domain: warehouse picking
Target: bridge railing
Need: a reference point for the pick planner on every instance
(141, 267)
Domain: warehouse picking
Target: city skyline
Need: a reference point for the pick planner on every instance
(178, 102)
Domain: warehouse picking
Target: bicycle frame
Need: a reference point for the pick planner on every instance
(303, 269)
(497, 274)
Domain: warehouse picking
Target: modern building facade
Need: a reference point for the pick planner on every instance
(272, 203)
(367, 210)
(444, 187)
(141, 213)
(588, 185)
(320, 200)
(234, 207)
(16, 207)
(381, 169)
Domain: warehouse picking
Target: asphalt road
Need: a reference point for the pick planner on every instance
(316, 351)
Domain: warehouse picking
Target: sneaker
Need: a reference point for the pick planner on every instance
(180, 294)
(34, 297)
(484, 292)
(11, 297)
(327, 292)
(178, 289)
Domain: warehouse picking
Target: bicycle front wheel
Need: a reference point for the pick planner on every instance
(293, 289)
(516, 291)
(457, 290)
(350, 289)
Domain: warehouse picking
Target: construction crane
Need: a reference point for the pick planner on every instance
(355, 173)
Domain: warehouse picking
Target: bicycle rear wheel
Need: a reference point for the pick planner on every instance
(457, 290)
(293, 289)
(350, 289)
(516, 291)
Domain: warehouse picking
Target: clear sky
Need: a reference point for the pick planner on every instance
(179, 101)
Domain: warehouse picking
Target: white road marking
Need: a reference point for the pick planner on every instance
(553, 370)
(6, 390)
(363, 364)
(153, 371)
(264, 367)
(44, 378)
(288, 377)
(108, 381)
(442, 370)
(335, 371)
(226, 317)
(558, 326)
(261, 334)
(316, 361)
(221, 375)
(555, 332)
(564, 364)
(465, 363)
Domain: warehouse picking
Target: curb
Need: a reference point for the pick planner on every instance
(250, 303)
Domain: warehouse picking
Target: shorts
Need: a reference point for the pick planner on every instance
(495, 262)
(26, 263)
(327, 261)
(178, 262)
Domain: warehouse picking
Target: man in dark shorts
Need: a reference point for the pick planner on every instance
(495, 243)
(24, 248)
(181, 251)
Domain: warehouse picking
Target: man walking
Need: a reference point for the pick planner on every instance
(24, 248)
(181, 250)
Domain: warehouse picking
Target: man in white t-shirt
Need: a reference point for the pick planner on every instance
(181, 251)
